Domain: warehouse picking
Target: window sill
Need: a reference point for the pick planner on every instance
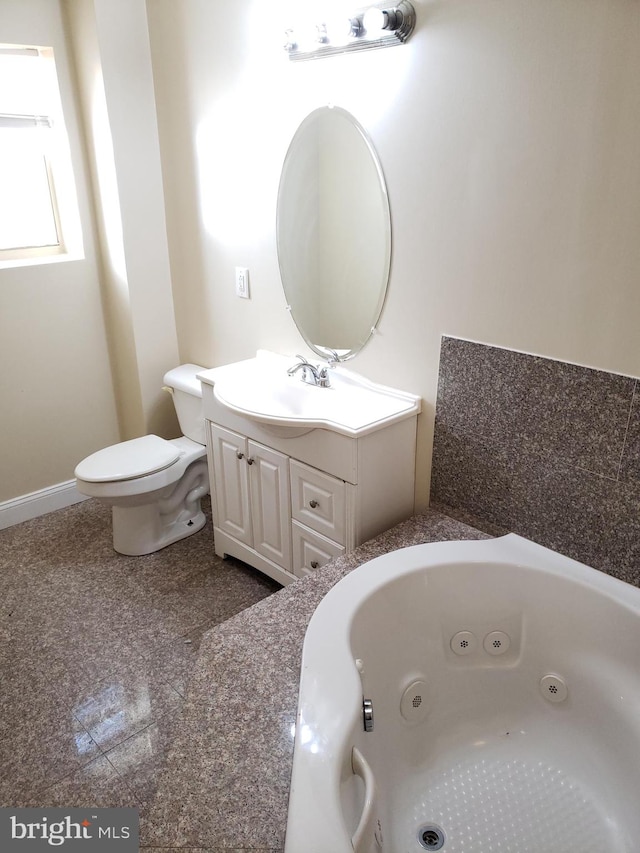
(42, 259)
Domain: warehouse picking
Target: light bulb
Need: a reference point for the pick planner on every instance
(309, 36)
(340, 29)
(374, 21)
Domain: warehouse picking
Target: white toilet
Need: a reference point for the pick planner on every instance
(154, 486)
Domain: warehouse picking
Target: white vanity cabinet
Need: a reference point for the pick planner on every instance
(287, 495)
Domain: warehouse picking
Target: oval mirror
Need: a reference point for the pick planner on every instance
(333, 232)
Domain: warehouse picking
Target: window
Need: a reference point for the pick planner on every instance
(38, 208)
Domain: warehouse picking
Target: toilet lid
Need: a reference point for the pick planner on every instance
(128, 460)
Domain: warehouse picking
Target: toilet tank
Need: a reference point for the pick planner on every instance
(187, 398)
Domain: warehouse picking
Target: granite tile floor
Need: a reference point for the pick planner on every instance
(96, 651)
(167, 683)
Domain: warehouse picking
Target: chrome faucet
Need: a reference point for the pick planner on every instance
(311, 375)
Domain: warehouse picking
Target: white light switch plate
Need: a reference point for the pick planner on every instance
(242, 282)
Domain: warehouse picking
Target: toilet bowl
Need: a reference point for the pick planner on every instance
(153, 485)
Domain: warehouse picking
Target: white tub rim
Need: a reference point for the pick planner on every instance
(310, 781)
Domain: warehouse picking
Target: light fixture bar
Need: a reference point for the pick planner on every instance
(375, 27)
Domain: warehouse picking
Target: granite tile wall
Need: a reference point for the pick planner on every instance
(542, 448)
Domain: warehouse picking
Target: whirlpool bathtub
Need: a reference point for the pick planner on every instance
(500, 686)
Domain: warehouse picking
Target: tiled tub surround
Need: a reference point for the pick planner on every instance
(203, 743)
(541, 448)
(226, 781)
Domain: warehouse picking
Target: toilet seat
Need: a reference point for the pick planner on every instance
(128, 460)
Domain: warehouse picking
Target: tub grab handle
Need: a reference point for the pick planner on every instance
(361, 768)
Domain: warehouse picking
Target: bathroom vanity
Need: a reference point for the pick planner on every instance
(301, 473)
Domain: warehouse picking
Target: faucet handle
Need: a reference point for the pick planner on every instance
(302, 363)
(323, 378)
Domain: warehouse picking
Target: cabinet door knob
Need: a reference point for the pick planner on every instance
(250, 460)
(313, 504)
(314, 564)
(239, 454)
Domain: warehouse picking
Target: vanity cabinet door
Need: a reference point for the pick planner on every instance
(252, 494)
(270, 502)
(231, 474)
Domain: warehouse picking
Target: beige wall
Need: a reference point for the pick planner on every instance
(509, 135)
(85, 344)
(56, 395)
(110, 44)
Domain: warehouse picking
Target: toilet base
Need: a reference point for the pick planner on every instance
(139, 530)
(138, 533)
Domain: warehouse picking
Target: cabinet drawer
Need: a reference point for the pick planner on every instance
(310, 550)
(318, 501)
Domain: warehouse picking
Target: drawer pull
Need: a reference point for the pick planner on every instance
(239, 454)
(314, 564)
(250, 460)
(313, 504)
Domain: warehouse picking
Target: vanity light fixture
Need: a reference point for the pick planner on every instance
(374, 27)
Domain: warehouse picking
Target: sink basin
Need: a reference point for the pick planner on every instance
(261, 390)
